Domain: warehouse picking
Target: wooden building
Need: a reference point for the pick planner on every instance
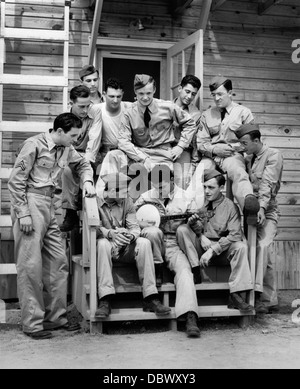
(253, 42)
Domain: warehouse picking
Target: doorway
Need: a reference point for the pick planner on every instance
(126, 69)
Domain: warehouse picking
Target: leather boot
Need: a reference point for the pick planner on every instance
(104, 309)
(152, 304)
(237, 302)
(159, 269)
(192, 329)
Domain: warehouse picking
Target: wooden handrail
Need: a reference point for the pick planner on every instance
(89, 250)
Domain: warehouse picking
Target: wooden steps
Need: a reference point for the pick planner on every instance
(132, 314)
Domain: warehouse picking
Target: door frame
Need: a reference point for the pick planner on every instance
(134, 49)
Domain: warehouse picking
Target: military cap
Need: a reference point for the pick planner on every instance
(246, 129)
(216, 82)
(116, 180)
(141, 80)
(210, 174)
(87, 70)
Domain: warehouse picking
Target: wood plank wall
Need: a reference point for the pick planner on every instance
(254, 51)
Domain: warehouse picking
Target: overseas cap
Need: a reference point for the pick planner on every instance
(210, 174)
(246, 129)
(87, 70)
(117, 180)
(140, 81)
(216, 82)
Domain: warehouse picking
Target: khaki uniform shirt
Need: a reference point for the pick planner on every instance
(89, 138)
(213, 130)
(134, 134)
(196, 115)
(265, 175)
(40, 164)
(224, 227)
(113, 215)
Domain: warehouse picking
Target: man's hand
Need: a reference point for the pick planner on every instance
(223, 150)
(206, 257)
(176, 152)
(196, 224)
(26, 225)
(261, 217)
(88, 189)
(121, 237)
(205, 243)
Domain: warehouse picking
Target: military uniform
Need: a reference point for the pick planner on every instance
(137, 142)
(88, 144)
(218, 128)
(42, 264)
(165, 242)
(186, 164)
(224, 230)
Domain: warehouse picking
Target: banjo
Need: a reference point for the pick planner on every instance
(149, 213)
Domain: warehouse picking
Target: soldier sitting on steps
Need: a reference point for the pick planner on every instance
(119, 240)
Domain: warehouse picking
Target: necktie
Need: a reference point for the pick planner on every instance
(253, 160)
(223, 113)
(147, 117)
(166, 201)
(210, 206)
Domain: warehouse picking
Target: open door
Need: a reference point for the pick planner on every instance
(185, 57)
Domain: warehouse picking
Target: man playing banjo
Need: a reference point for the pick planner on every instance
(171, 200)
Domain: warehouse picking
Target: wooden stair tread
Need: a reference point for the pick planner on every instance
(132, 314)
(8, 268)
(168, 287)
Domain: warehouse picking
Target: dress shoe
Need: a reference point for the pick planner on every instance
(71, 221)
(237, 302)
(192, 329)
(103, 310)
(154, 305)
(260, 307)
(197, 275)
(39, 335)
(159, 269)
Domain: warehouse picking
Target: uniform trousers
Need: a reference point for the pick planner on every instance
(177, 262)
(42, 268)
(138, 252)
(237, 255)
(265, 281)
(236, 171)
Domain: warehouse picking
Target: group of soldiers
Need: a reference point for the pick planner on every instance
(150, 152)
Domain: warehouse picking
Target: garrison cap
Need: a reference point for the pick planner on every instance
(210, 174)
(140, 81)
(246, 129)
(216, 82)
(87, 70)
(117, 180)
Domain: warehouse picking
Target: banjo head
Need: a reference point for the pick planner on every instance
(148, 213)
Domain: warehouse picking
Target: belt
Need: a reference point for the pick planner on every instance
(47, 191)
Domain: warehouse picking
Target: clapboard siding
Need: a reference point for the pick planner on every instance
(254, 51)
